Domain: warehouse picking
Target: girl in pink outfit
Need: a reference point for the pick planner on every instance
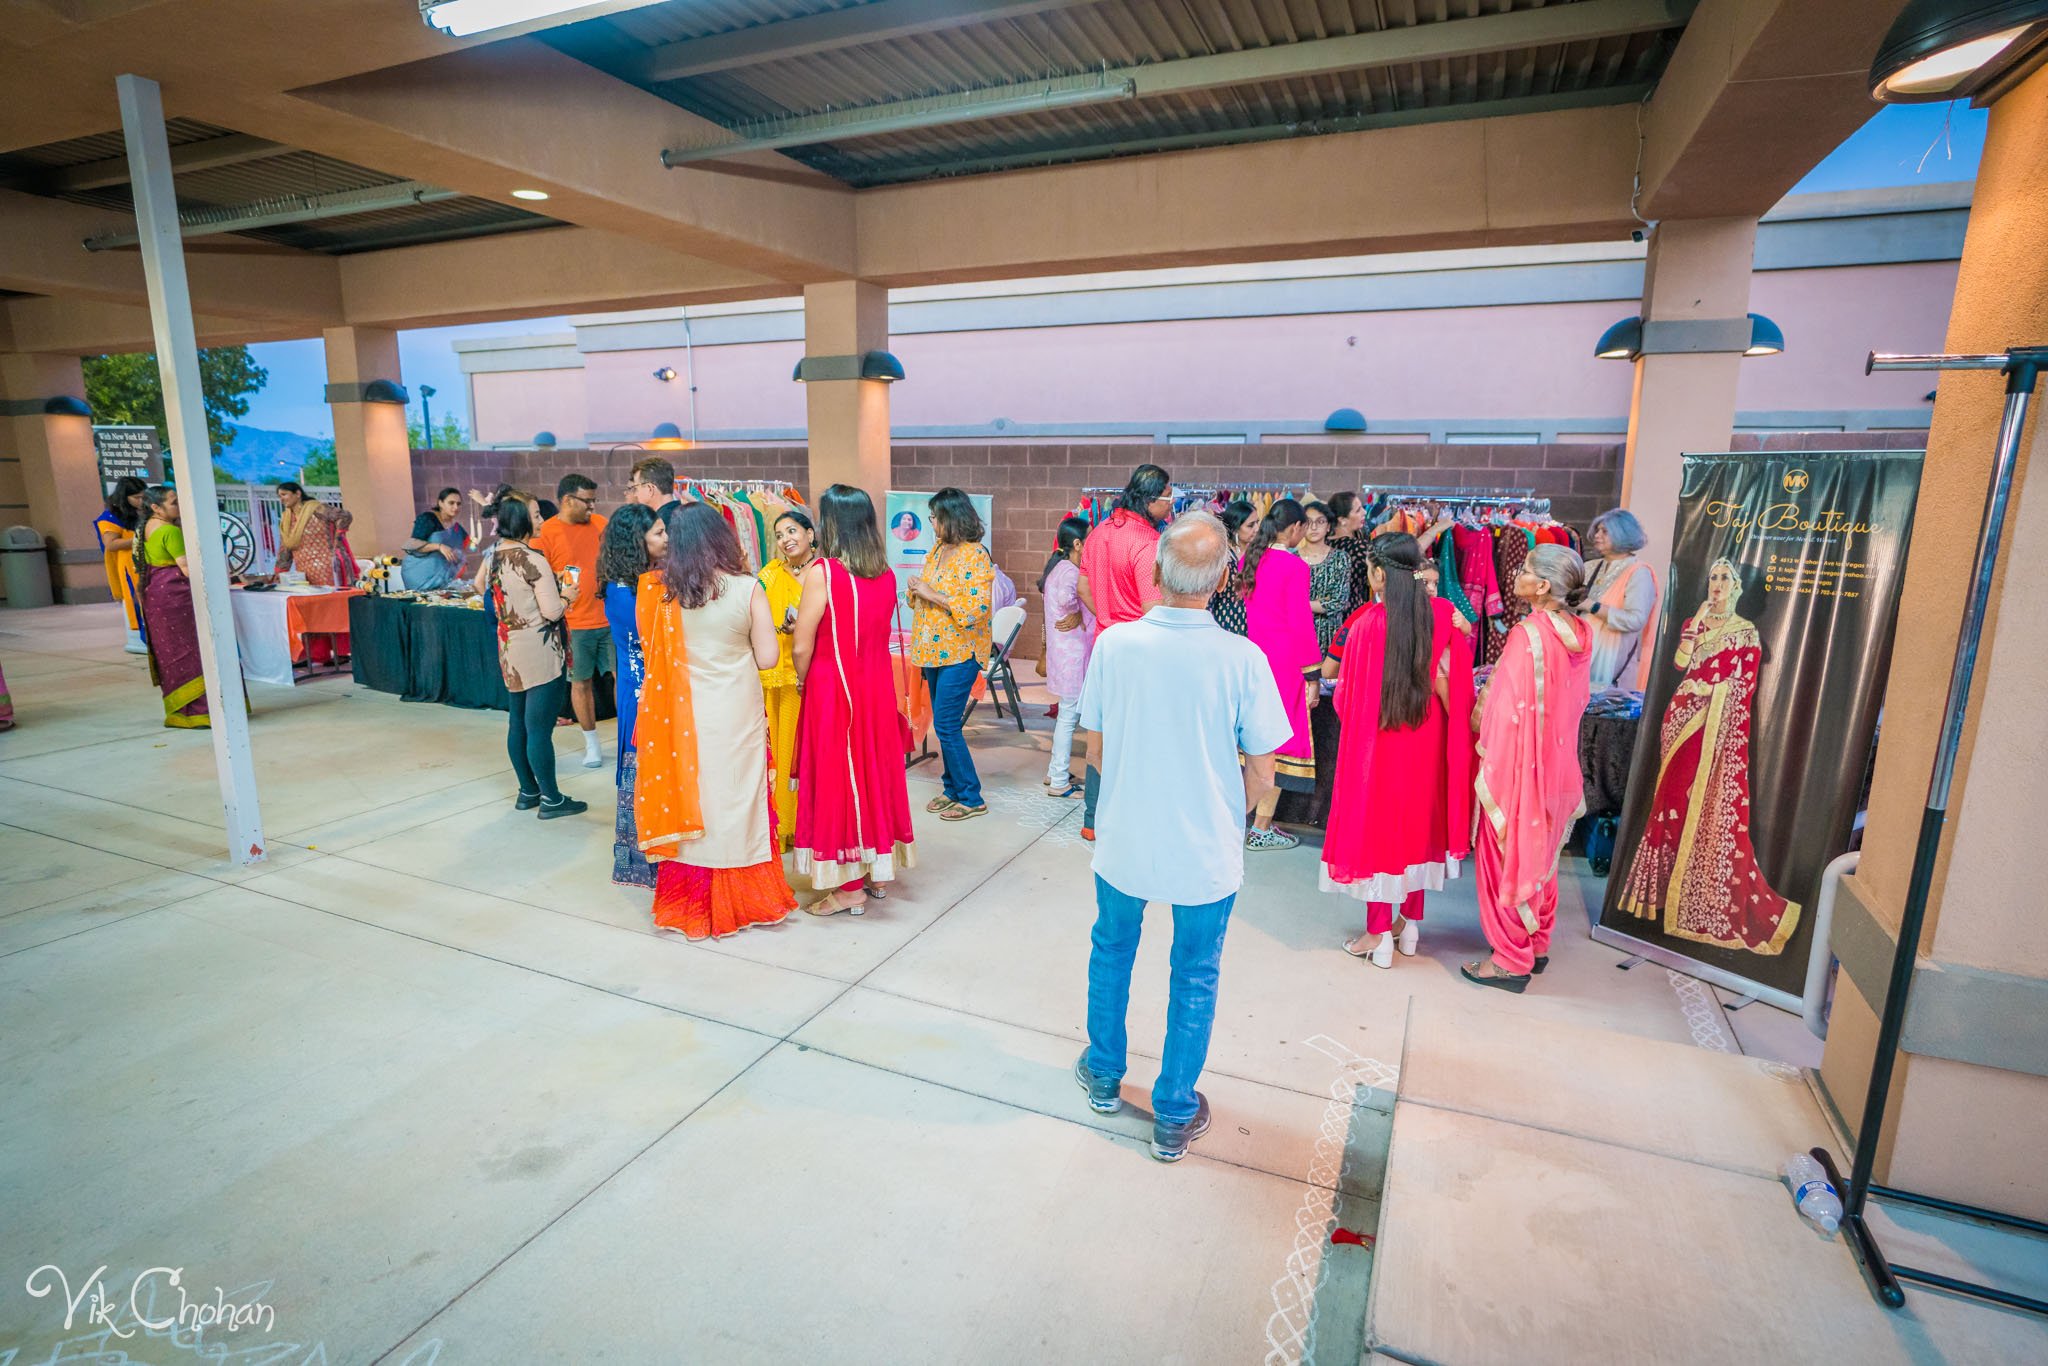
(1279, 619)
(1401, 808)
(1069, 639)
(1530, 790)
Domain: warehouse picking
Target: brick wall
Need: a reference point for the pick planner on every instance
(1036, 484)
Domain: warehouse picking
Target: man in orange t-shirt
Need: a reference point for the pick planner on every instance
(571, 542)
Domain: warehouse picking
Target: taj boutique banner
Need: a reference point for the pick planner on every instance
(1761, 709)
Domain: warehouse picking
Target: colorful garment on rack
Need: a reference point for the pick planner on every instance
(1511, 547)
(1474, 546)
(1329, 584)
(1448, 586)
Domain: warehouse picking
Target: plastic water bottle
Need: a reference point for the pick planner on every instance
(1817, 1200)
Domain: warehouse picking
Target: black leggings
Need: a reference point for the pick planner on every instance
(530, 739)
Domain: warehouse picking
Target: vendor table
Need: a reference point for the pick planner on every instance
(432, 653)
(276, 631)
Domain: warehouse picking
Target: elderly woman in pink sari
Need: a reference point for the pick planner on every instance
(1280, 619)
(1530, 789)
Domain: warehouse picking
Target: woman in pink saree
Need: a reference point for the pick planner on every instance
(1530, 789)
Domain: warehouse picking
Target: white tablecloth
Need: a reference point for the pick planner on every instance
(263, 636)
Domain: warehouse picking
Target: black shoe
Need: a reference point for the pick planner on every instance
(1170, 1141)
(1501, 982)
(1542, 961)
(562, 806)
(527, 801)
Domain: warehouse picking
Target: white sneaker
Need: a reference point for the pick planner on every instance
(1411, 931)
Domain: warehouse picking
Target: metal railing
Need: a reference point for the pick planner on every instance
(257, 508)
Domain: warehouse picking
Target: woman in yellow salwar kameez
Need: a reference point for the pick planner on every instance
(782, 577)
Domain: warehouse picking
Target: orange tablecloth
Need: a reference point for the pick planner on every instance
(913, 699)
(318, 614)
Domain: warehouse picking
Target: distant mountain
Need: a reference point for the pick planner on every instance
(261, 456)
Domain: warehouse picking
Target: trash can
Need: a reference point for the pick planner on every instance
(25, 567)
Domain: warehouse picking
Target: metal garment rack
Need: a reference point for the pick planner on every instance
(2022, 368)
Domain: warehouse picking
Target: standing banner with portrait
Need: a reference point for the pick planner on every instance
(907, 530)
(1761, 709)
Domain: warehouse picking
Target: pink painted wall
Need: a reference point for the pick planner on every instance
(511, 406)
(1522, 362)
(1833, 319)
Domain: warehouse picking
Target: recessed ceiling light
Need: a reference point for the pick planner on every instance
(529, 194)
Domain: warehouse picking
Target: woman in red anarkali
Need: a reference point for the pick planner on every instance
(1696, 868)
(1401, 810)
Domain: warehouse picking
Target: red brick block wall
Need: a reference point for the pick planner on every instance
(1035, 485)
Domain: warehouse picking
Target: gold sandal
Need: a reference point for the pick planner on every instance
(939, 804)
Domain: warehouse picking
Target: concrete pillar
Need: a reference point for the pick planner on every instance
(1968, 1115)
(848, 419)
(1695, 284)
(49, 476)
(371, 444)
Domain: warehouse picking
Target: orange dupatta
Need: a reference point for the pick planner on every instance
(667, 810)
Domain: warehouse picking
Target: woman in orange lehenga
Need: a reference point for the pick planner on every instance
(312, 540)
(1696, 866)
(701, 803)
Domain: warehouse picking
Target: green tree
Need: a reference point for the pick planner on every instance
(129, 389)
(448, 434)
(321, 469)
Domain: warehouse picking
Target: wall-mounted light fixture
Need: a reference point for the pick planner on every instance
(67, 405)
(666, 374)
(385, 391)
(1959, 49)
(544, 441)
(667, 436)
(1345, 420)
(1766, 338)
(1623, 341)
(874, 365)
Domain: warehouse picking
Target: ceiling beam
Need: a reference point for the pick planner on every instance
(40, 254)
(230, 150)
(520, 115)
(1534, 178)
(1757, 93)
(816, 33)
(1586, 21)
(88, 327)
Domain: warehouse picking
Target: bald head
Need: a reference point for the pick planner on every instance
(1194, 555)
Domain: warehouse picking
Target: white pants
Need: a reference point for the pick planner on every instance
(1061, 767)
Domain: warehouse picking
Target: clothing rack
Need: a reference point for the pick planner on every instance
(1524, 498)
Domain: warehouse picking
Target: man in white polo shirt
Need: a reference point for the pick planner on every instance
(1176, 699)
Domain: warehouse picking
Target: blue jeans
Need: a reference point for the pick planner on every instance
(951, 686)
(1191, 995)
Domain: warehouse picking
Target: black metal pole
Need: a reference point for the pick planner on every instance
(2022, 370)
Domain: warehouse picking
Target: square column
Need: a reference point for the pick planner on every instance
(1967, 1117)
(848, 418)
(55, 486)
(371, 444)
(1695, 289)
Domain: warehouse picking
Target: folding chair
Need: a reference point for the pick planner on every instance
(1003, 629)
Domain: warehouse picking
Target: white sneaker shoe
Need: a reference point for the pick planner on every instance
(1411, 931)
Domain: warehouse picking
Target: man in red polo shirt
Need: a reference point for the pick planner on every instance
(1119, 581)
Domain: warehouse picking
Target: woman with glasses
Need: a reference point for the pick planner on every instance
(1329, 582)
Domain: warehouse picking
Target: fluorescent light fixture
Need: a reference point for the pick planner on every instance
(1958, 49)
(529, 194)
(462, 18)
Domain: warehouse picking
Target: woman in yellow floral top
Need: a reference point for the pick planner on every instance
(949, 639)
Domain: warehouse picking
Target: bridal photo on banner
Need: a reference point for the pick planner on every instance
(1760, 710)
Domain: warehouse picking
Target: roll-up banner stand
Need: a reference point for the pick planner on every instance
(1760, 711)
(907, 530)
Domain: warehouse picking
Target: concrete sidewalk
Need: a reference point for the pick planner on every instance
(432, 1089)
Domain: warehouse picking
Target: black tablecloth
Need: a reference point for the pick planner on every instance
(435, 654)
(1606, 743)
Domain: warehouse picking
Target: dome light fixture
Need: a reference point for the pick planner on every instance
(66, 405)
(1959, 49)
(1766, 338)
(1345, 420)
(544, 441)
(535, 195)
(1623, 341)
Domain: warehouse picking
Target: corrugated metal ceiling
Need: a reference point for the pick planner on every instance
(1076, 39)
(272, 177)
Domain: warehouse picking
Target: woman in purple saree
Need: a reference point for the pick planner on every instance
(170, 623)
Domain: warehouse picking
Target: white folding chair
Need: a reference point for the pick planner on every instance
(1003, 630)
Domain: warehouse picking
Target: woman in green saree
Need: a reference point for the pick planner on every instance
(171, 625)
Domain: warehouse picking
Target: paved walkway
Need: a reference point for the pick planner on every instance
(430, 1088)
